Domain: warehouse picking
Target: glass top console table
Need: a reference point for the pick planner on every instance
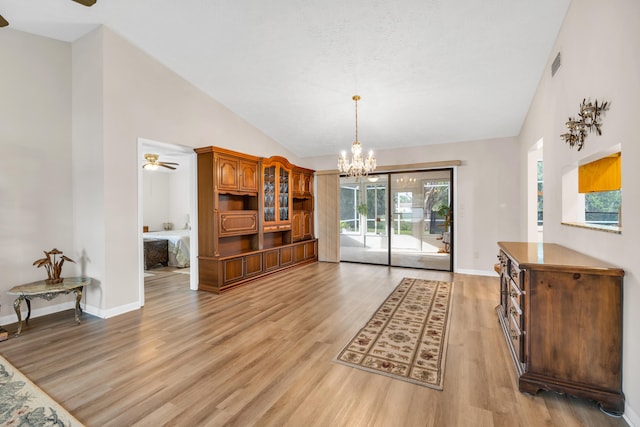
(47, 291)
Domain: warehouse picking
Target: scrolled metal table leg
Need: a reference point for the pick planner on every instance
(78, 293)
(16, 307)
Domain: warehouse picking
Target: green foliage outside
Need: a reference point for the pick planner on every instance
(602, 207)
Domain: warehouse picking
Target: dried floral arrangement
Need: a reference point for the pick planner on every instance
(53, 264)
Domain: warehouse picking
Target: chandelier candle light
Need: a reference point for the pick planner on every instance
(358, 166)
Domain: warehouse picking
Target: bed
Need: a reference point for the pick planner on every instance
(179, 245)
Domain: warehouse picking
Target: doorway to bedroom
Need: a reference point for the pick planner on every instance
(166, 201)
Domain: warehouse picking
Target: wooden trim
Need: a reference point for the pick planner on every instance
(401, 168)
(268, 161)
(212, 149)
(551, 256)
(302, 169)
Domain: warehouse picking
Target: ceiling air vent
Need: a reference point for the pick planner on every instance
(555, 65)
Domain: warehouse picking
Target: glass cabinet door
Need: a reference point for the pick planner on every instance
(270, 194)
(284, 195)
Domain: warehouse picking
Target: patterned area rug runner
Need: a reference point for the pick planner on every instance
(407, 336)
(22, 403)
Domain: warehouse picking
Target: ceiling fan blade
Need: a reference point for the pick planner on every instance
(164, 165)
(168, 163)
(87, 3)
(3, 22)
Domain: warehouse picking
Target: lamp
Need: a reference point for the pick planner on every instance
(358, 166)
(588, 121)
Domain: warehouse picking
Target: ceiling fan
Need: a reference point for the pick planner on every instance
(153, 163)
(88, 3)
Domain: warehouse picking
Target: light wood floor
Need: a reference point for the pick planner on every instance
(262, 355)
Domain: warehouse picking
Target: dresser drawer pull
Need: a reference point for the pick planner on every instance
(513, 288)
(514, 307)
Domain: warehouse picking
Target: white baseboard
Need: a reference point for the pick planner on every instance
(8, 319)
(631, 416)
(105, 314)
(491, 273)
(36, 312)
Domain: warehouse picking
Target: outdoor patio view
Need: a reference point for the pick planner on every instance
(415, 234)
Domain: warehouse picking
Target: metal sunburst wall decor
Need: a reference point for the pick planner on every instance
(588, 121)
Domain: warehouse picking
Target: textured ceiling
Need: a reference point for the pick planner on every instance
(428, 71)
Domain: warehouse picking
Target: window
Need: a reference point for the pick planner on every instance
(436, 195)
(403, 202)
(603, 208)
(540, 193)
(376, 208)
(592, 192)
(349, 215)
(601, 181)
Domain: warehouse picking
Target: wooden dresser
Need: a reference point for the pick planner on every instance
(561, 314)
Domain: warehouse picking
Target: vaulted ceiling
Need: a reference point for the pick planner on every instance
(428, 71)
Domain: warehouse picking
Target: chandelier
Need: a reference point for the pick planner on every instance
(358, 166)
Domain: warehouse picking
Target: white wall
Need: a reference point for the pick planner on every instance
(487, 198)
(156, 195)
(166, 198)
(600, 47)
(89, 228)
(71, 116)
(179, 197)
(35, 147)
(143, 99)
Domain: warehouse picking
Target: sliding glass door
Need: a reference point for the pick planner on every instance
(398, 219)
(420, 230)
(363, 220)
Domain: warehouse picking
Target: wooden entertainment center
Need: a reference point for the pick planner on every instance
(255, 217)
(561, 314)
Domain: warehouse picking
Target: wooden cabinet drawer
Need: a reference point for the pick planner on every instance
(233, 270)
(253, 264)
(514, 291)
(515, 273)
(310, 250)
(298, 253)
(286, 255)
(503, 262)
(517, 337)
(515, 309)
(234, 223)
(271, 260)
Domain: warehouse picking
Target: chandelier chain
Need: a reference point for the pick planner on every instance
(356, 98)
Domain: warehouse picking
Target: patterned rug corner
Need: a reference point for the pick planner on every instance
(406, 338)
(22, 403)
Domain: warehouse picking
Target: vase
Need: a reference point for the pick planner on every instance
(54, 281)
